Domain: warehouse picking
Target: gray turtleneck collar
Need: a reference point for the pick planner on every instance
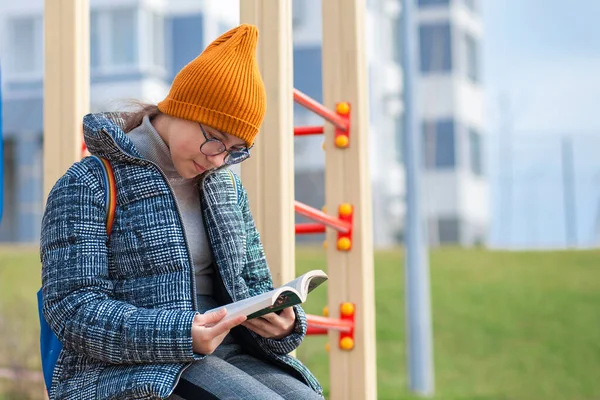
(152, 147)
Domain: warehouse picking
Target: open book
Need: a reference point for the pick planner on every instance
(290, 294)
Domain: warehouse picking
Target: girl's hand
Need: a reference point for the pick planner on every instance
(273, 326)
(208, 330)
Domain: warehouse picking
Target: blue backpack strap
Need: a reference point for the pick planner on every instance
(50, 346)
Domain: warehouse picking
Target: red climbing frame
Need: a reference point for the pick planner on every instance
(319, 109)
(318, 325)
(322, 218)
(308, 130)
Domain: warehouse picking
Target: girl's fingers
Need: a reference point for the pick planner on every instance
(225, 326)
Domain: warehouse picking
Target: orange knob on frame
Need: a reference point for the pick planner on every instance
(347, 309)
(342, 108)
(341, 141)
(345, 209)
(347, 343)
(344, 244)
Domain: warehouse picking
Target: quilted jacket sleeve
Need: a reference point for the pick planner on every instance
(259, 280)
(77, 288)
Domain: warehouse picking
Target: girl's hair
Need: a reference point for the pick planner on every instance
(134, 118)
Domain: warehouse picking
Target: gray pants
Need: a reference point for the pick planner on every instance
(231, 373)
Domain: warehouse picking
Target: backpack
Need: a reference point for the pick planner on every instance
(50, 346)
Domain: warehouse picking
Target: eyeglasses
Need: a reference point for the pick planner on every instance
(213, 147)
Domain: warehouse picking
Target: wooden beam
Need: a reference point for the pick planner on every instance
(66, 84)
(347, 180)
(268, 175)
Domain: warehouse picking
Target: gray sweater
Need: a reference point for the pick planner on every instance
(151, 146)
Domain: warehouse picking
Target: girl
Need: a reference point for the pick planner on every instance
(129, 308)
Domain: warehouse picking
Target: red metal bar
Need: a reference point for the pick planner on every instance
(308, 130)
(319, 216)
(317, 323)
(303, 229)
(315, 331)
(320, 110)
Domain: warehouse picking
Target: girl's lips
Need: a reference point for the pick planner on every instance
(199, 169)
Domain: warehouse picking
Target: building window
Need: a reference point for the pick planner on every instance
(298, 12)
(158, 42)
(448, 230)
(425, 3)
(475, 148)
(114, 38)
(26, 46)
(94, 40)
(186, 41)
(397, 38)
(472, 55)
(123, 50)
(439, 144)
(436, 48)
(399, 129)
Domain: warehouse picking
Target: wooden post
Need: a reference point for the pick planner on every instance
(268, 175)
(66, 84)
(347, 180)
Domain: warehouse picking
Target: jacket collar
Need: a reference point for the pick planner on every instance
(104, 137)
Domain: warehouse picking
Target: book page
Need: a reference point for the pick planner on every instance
(304, 284)
(313, 283)
(240, 307)
(285, 299)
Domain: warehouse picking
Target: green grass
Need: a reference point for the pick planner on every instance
(522, 325)
(19, 325)
(506, 325)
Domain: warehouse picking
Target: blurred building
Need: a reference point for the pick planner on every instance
(137, 47)
(456, 189)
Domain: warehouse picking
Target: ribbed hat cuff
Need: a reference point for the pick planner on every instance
(213, 118)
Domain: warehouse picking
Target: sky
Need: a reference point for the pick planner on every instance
(541, 58)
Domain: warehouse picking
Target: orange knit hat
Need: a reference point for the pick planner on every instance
(222, 87)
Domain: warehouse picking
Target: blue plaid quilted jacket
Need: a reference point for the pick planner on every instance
(123, 308)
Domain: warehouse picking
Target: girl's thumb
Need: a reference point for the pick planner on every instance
(213, 317)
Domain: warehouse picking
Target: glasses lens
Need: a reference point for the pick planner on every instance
(212, 147)
(236, 157)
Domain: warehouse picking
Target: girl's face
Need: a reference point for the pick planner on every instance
(184, 139)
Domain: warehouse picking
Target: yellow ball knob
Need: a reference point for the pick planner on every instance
(323, 146)
(327, 347)
(325, 244)
(326, 311)
(347, 343)
(345, 209)
(344, 244)
(341, 141)
(343, 108)
(347, 309)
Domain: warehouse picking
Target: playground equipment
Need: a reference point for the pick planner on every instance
(269, 174)
(347, 181)
(67, 83)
